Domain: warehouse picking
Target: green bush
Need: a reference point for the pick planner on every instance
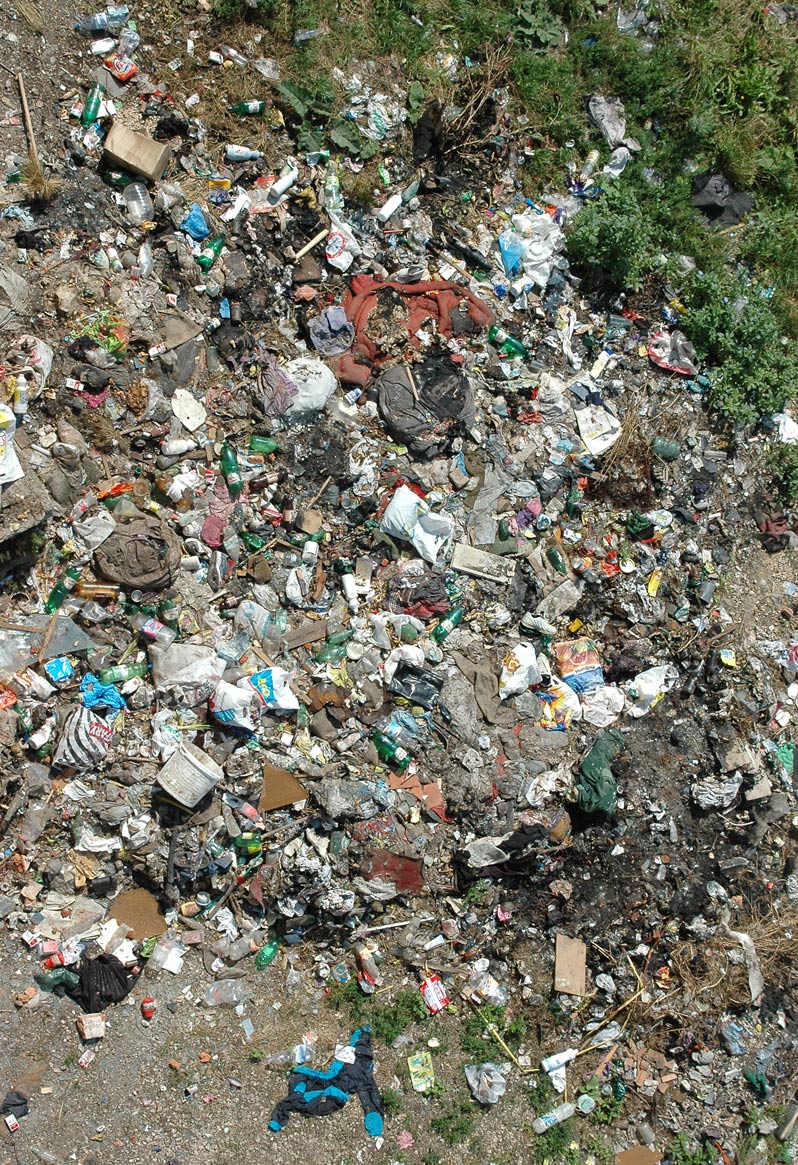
(612, 242)
(736, 331)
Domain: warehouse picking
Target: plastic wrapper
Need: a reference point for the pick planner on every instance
(190, 671)
(519, 671)
(33, 359)
(559, 706)
(273, 689)
(579, 664)
(315, 384)
(673, 352)
(409, 518)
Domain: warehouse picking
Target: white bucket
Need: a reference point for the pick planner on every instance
(189, 775)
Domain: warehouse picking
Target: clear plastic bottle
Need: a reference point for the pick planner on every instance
(138, 203)
(109, 21)
(556, 1116)
(290, 1058)
(225, 993)
(154, 631)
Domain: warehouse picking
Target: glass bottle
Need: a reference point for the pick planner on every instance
(450, 620)
(62, 588)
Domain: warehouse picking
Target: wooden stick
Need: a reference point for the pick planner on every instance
(34, 153)
(314, 242)
(318, 494)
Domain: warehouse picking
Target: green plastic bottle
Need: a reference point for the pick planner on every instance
(210, 252)
(450, 620)
(259, 444)
(91, 106)
(231, 470)
(242, 108)
(390, 752)
(67, 583)
(267, 953)
(121, 672)
(507, 344)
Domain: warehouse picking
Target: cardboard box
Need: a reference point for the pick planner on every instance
(136, 152)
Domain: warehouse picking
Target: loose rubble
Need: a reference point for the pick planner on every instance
(364, 619)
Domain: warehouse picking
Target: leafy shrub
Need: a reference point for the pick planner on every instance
(612, 243)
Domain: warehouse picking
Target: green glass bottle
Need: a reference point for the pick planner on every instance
(507, 344)
(242, 108)
(450, 620)
(231, 470)
(258, 444)
(267, 953)
(91, 106)
(62, 588)
(554, 555)
(390, 752)
(120, 673)
(210, 252)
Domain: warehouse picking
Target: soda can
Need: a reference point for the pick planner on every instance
(148, 1006)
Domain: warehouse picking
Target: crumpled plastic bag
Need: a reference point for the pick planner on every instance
(195, 223)
(646, 690)
(99, 695)
(559, 706)
(486, 1081)
(519, 671)
(602, 706)
(32, 358)
(189, 670)
(673, 352)
(786, 429)
(341, 248)
(609, 116)
(409, 517)
(315, 384)
(84, 741)
(427, 413)
(542, 240)
(231, 706)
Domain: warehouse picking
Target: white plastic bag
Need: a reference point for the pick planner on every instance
(519, 671)
(646, 690)
(409, 517)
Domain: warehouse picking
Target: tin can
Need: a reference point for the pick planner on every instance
(148, 1006)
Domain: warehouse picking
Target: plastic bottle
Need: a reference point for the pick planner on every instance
(235, 153)
(390, 752)
(507, 344)
(267, 953)
(62, 588)
(120, 673)
(231, 470)
(233, 55)
(667, 450)
(591, 161)
(138, 203)
(258, 444)
(556, 1116)
(290, 1058)
(209, 254)
(154, 631)
(243, 108)
(91, 106)
(109, 21)
(389, 209)
(287, 179)
(558, 1060)
(129, 41)
(450, 620)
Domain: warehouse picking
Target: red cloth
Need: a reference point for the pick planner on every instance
(432, 299)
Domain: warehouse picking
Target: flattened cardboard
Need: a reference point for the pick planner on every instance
(279, 789)
(639, 1155)
(570, 958)
(139, 911)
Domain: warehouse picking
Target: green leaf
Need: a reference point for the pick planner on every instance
(344, 133)
(415, 102)
(301, 100)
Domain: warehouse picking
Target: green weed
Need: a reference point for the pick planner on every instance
(386, 1019)
(683, 1151)
(392, 1100)
(456, 1123)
